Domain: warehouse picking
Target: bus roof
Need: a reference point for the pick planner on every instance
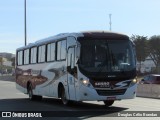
(103, 34)
(91, 34)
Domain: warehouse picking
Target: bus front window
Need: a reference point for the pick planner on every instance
(106, 56)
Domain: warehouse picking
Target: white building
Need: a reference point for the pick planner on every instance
(146, 66)
(7, 63)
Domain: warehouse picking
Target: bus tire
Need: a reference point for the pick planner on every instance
(63, 97)
(108, 103)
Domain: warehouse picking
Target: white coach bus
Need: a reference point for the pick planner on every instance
(85, 66)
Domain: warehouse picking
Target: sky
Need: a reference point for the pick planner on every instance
(50, 17)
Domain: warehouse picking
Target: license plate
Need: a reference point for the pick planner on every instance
(111, 98)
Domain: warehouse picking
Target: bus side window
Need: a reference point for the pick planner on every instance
(61, 50)
(72, 61)
(20, 58)
(51, 52)
(33, 58)
(26, 56)
(41, 53)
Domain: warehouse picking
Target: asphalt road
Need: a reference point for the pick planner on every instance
(11, 100)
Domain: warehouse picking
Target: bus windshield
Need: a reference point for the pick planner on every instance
(101, 55)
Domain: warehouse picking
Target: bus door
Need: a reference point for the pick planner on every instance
(71, 73)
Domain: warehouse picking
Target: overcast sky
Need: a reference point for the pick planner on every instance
(50, 17)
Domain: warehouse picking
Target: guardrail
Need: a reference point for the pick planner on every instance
(7, 78)
(148, 90)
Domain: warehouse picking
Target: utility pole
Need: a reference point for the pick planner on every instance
(25, 22)
(110, 21)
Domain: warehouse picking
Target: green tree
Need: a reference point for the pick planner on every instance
(154, 49)
(1, 63)
(13, 61)
(1, 60)
(141, 47)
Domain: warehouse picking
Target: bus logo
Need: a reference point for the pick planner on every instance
(102, 84)
(110, 76)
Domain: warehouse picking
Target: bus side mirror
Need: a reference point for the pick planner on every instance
(77, 62)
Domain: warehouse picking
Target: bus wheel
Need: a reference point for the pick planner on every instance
(63, 97)
(30, 93)
(108, 102)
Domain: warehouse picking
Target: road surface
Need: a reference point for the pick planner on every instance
(11, 100)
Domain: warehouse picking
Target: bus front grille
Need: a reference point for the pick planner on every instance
(111, 92)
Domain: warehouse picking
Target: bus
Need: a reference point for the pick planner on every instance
(82, 66)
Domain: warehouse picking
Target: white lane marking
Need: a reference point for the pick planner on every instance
(20, 93)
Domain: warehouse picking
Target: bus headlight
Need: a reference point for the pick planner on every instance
(134, 81)
(85, 82)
